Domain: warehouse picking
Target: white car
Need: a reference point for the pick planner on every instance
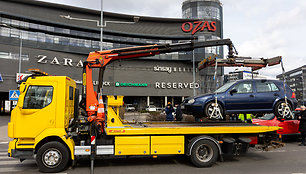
(129, 107)
(151, 108)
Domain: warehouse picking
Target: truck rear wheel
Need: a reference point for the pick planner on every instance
(52, 157)
(204, 153)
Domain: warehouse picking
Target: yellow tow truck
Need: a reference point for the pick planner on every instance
(46, 124)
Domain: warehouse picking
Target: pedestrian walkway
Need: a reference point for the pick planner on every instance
(8, 164)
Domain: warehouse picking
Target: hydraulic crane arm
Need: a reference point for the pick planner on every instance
(100, 59)
(255, 64)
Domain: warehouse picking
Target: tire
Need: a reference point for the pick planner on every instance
(204, 153)
(52, 157)
(279, 109)
(217, 114)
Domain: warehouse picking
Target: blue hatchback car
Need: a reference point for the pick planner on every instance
(243, 96)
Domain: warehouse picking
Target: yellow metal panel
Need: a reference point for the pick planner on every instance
(189, 130)
(11, 146)
(25, 143)
(113, 119)
(10, 130)
(167, 145)
(111, 101)
(59, 132)
(132, 145)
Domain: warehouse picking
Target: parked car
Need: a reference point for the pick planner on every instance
(151, 108)
(129, 107)
(243, 96)
(290, 127)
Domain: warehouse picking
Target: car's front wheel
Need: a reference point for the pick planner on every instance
(281, 110)
(214, 110)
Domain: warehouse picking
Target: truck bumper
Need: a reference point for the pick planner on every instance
(27, 153)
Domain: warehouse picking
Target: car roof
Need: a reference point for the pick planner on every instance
(244, 80)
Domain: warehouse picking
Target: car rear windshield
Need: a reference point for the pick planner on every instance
(224, 87)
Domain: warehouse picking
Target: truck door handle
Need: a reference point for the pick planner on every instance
(275, 94)
(251, 95)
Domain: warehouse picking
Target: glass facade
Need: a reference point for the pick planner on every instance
(296, 80)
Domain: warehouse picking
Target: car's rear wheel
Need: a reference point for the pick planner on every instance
(214, 110)
(281, 110)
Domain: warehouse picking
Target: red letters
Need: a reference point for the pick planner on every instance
(198, 25)
(184, 28)
(213, 24)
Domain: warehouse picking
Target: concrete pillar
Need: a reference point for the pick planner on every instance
(166, 101)
(183, 98)
(172, 101)
(148, 100)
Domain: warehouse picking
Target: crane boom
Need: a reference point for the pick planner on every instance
(100, 59)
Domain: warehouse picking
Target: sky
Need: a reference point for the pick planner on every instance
(258, 28)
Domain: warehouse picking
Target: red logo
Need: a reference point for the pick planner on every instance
(116, 131)
(198, 25)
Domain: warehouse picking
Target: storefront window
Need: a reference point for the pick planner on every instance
(33, 36)
(13, 56)
(15, 32)
(49, 38)
(4, 31)
(41, 37)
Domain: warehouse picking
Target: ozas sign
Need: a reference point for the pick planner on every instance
(196, 26)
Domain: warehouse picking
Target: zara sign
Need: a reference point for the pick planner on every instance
(55, 61)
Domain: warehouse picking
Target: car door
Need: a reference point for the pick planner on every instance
(266, 94)
(242, 98)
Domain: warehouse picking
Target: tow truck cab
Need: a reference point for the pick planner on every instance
(42, 114)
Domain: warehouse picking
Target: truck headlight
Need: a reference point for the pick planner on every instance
(191, 101)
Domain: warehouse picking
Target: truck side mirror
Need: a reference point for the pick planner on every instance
(20, 100)
(233, 91)
(22, 88)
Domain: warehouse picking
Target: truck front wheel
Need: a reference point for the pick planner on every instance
(204, 153)
(52, 157)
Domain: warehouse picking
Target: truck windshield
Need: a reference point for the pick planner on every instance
(224, 87)
(38, 97)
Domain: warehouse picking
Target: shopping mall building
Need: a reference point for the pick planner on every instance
(59, 47)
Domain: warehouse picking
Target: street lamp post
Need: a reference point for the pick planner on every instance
(101, 29)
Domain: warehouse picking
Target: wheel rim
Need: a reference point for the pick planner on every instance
(204, 153)
(214, 111)
(52, 158)
(284, 110)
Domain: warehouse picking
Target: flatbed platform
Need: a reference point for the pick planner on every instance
(180, 128)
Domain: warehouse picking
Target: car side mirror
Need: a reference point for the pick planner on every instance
(233, 91)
